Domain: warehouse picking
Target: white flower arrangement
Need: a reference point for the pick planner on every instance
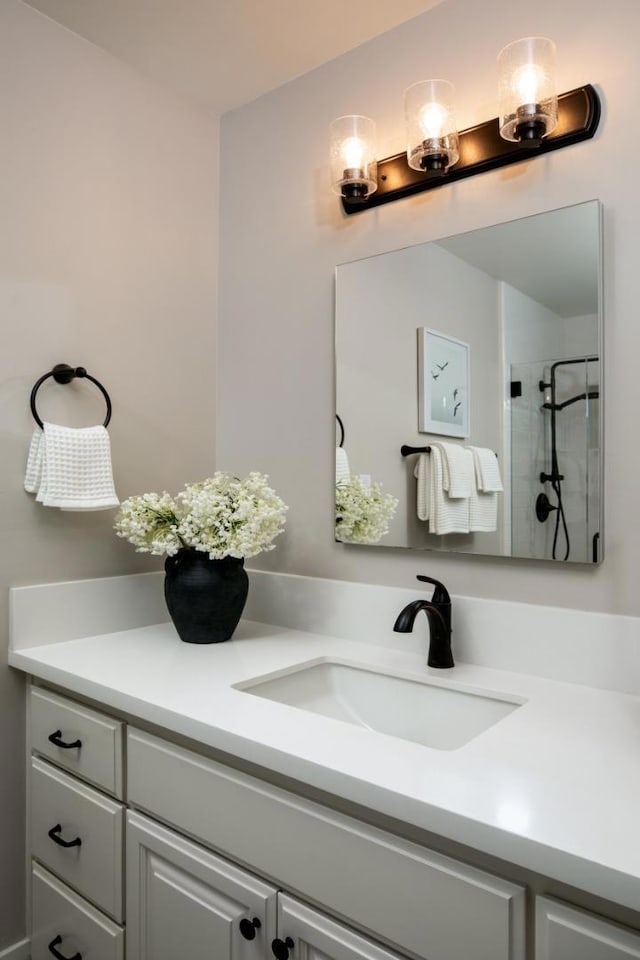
(362, 511)
(221, 516)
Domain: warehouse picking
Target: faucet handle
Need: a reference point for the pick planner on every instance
(440, 594)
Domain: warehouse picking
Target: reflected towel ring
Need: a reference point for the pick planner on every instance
(63, 373)
(341, 425)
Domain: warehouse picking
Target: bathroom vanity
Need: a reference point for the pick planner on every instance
(196, 802)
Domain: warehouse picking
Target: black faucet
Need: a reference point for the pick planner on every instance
(438, 611)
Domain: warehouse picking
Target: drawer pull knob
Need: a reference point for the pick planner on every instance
(53, 833)
(248, 928)
(56, 738)
(60, 956)
(280, 948)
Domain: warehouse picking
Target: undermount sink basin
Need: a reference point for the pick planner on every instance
(422, 711)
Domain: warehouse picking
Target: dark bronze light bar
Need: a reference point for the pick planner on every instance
(482, 149)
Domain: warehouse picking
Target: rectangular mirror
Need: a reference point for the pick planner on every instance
(489, 340)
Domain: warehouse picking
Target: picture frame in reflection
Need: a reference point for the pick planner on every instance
(444, 388)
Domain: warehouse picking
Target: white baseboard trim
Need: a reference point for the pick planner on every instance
(19, 951)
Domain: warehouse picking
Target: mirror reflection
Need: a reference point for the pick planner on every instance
(468, 392)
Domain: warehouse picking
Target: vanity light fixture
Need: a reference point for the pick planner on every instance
(353, 158)
(533, 120)
(432, 137)
(528, 98)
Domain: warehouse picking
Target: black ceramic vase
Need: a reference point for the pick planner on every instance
(205, 598)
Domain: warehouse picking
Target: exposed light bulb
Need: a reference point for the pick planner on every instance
(354, 171)
(432, 138)
(527, 82)
(353, 150)
(433, 119)
(528, 98)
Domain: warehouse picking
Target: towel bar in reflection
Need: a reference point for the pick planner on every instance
(406, 450)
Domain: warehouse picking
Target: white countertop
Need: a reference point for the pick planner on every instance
(553, 787)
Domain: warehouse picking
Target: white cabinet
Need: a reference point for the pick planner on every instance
(65, 925)
(76, 831)
(427, 904)
(183, 901)
(86, 743)
(566, 933)
(307, 934)
(159, 863)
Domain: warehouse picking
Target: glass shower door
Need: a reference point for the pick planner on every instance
(555, 455)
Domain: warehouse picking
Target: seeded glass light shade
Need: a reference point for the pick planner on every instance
(354, 169)
(527, 89)
(432, 135)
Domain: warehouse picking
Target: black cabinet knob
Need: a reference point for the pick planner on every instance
(56, 738)
(60, 956)
(248, 928)
(280, 948)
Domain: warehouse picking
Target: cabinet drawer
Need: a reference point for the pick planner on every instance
(64, 810)
(566, 933)
(63, 920)
(97, 759)
(442, 909)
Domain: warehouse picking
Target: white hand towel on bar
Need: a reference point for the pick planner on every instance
(446, 515)
(483, 511)
(487, 470)
(71, 468)
(457, 469)
(422, 473)
(343, 473)
(33, 473)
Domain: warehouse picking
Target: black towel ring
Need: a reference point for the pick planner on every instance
(63, 373)
(341, 425)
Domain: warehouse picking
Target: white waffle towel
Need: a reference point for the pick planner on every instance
(444, 513)
(422, 473)
(483, 512)
(457, 469)
(71, 468)
(487, 470)
(343, 473)
(34, 463)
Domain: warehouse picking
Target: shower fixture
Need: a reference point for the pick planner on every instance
(544, 507)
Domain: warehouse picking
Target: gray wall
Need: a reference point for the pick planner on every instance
(283, 232)
(108, 250)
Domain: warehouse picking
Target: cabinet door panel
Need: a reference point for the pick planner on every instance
(183, 901)
(183, 916)
(317, 937)
(565, 933)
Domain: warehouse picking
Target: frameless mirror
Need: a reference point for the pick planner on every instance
(489, 340)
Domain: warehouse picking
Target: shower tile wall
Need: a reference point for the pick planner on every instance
(528, 536)
(577, 446)
(529, 329)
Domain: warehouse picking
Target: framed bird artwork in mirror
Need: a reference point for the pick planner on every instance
(443, 380)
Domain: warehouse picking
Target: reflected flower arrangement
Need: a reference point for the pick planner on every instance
(363, 511)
